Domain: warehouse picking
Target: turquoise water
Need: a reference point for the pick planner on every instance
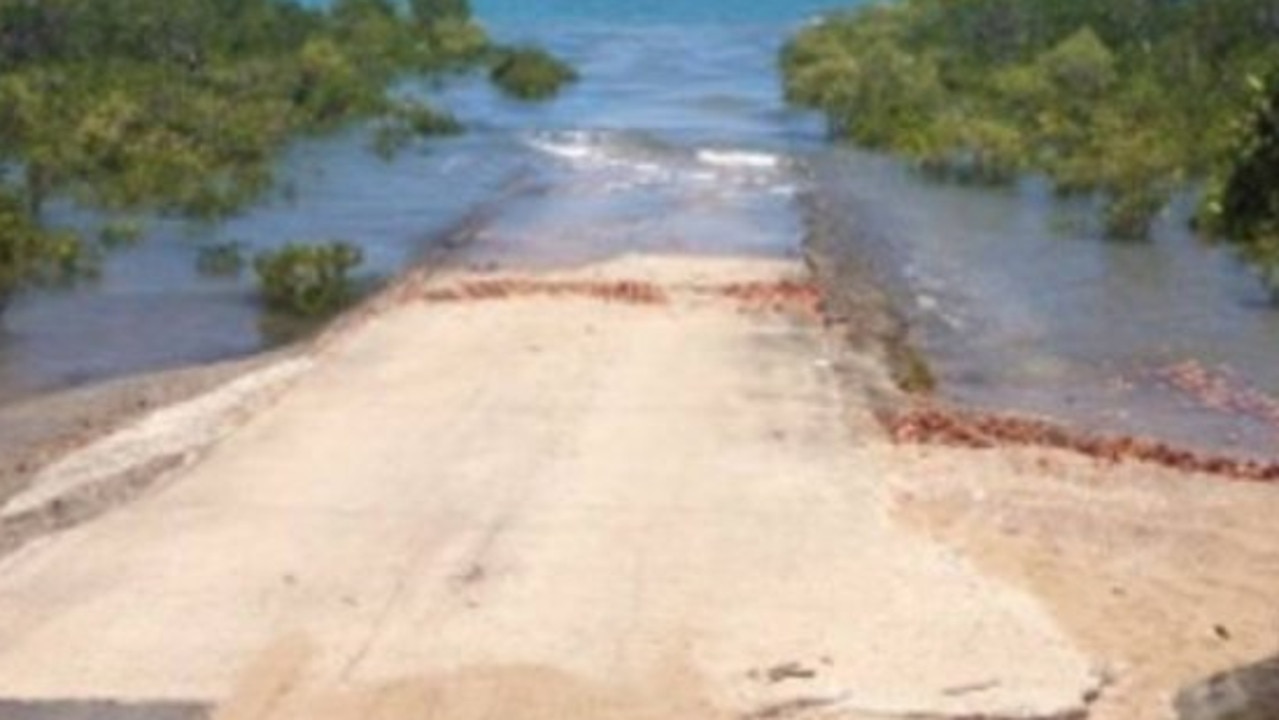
(676, 140)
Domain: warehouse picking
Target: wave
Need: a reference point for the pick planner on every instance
(613, 161)
(739, 159)
(575, 146)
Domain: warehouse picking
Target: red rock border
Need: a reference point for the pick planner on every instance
(978, 430)
(628, 292)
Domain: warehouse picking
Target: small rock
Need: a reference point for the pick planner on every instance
(790, 671)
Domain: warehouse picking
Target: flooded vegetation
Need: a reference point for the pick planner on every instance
(1018, 303)
(1122, 100)
(1055, 165)
(147, 110)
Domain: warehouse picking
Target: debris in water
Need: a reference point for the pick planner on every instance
(1219, 389)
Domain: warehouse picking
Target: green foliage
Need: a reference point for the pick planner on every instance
(425, 120)
(120, 233)
(454, 42)
(970, 149)
(429, 12)
(409, 119)
(329, 87)
(530, 73)
(1080, 68)
(1126, 98)
(31, 254)
(1246, 209)
(182, 106)
(307, 280)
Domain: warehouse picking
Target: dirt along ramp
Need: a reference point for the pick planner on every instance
(635, 490)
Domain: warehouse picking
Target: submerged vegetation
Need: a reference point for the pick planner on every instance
(406, 120)
(30, 254)
(1127, 99)
(181, 106)
(308, 280)
(530, 73)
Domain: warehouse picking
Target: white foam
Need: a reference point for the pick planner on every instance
(571, 148)
(613, 166)
(738, 159)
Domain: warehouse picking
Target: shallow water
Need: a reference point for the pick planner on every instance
(676, 140)
(151, 309)
(1020, 305)
(613, 166)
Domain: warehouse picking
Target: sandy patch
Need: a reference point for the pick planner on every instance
(1168, 577)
